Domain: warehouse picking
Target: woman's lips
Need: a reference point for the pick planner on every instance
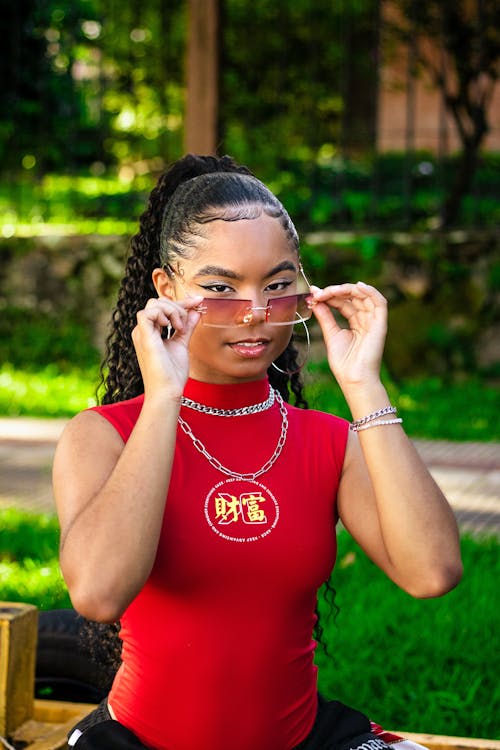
(250, 348)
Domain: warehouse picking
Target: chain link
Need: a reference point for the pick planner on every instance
(220, 467)
(242, 411)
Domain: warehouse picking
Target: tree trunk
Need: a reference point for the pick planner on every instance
(201, 124)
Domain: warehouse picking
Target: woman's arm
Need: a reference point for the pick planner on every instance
(387, 499)
(110, 496)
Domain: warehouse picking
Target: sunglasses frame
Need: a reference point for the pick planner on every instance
(248, 317)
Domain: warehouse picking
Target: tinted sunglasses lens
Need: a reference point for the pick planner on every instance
(292, 309)
(221, 313)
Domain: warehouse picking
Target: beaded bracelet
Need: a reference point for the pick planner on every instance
(375, 423)
(374, 415)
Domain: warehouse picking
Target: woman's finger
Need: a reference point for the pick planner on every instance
(163, 311)
(357, 293)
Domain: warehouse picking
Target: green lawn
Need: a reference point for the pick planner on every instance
(417, 665)
(414, 665)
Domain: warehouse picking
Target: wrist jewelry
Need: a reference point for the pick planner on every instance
(370, 417)
(375, 423)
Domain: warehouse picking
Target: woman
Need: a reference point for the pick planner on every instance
(198, 508)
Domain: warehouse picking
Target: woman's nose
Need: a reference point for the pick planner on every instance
(258, 314)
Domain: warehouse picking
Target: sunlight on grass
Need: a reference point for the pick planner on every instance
(46, 393)
(90, 226)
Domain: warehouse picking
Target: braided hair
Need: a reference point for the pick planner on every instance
(194, 191)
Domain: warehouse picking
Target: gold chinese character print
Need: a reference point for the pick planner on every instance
(247, 507)
(240, 510)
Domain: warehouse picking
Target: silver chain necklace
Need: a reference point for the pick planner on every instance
(242, 411)
(220, 467)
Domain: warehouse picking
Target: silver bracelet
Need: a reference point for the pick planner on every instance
(374, 415)
(374, 423)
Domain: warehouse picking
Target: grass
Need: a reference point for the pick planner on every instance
(46, 392)
(29, 566)
(417, 665)
(431, 408)
(414, 665)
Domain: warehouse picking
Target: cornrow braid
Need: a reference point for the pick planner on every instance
(194, 191)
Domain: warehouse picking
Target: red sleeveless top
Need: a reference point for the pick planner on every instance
(217, 647)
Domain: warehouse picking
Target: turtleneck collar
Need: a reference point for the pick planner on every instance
(229, 396)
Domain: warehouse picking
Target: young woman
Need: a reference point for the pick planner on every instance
(198, 507)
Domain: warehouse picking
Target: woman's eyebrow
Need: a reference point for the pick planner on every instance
(285, 265)
(217, 271)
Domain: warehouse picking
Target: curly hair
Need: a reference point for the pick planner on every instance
(194, 191)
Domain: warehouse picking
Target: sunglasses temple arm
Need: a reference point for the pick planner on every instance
(301, 269)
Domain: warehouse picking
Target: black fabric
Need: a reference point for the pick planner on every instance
(109, 735)
(101, 732)
(337, 727)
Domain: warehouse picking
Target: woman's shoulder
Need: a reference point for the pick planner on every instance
(323, 434)
(318, 419)
(122, 414)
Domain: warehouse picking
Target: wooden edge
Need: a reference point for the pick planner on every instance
(59, 711)
(443, 742)
(52, 722)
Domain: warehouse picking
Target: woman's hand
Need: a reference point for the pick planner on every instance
(164, 363)
(355, 352)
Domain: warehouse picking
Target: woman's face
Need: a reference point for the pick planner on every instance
(249, 259)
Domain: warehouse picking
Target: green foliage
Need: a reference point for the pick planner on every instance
(33, 339)
(29, 568)
(47, 392)
(416, 665)
(431, 408)
(318, 192)
(383, 192)
(83, 203)
(88, 83)
(286, 96)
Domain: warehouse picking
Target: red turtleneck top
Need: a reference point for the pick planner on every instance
(217, 647)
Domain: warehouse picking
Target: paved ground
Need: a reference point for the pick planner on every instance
(468, 473)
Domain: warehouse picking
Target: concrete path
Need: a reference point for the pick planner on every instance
(468, 473)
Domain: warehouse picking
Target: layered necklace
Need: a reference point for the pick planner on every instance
(252, 409)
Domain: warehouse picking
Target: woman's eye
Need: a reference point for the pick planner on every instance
(278, 286)
(217, 288)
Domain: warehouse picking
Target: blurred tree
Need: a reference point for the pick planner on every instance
(98, 82)
(467, 34)
(297, 76)
(90, 81)
(44, 118)
(142, 44)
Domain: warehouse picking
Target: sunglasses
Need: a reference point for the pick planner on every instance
(278, 311)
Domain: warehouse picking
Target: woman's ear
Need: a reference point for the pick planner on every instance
(163, 283)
